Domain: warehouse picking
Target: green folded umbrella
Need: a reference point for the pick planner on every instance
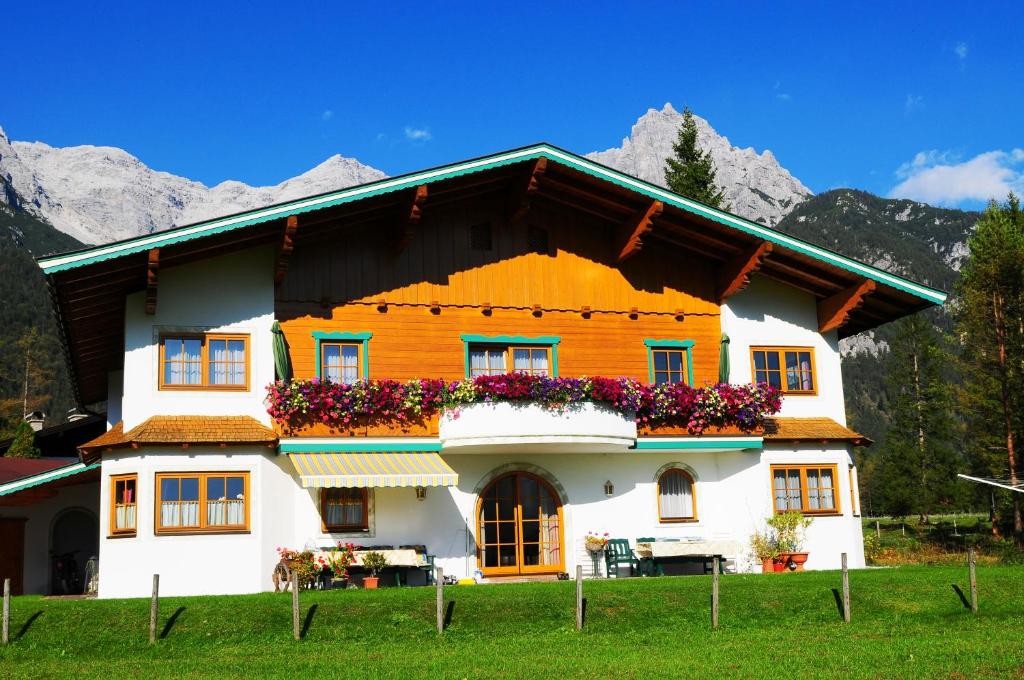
(723, 360)
(282, 362)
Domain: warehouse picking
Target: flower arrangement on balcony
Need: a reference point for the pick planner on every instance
(299, 402)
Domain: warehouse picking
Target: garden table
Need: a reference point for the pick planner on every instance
(651, 552)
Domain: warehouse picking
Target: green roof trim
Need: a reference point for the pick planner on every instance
(81, 258)
(754, 443)
(44, 477)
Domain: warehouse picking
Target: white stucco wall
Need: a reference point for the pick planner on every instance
(769, 313)
(231, 293)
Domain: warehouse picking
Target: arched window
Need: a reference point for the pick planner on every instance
(677, 501)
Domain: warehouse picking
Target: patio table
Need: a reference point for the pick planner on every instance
(650, 552)
(396, 558)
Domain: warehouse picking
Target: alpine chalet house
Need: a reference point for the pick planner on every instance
(488, 361)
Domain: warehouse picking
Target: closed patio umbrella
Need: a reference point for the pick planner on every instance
(723, 360)
(282, 363)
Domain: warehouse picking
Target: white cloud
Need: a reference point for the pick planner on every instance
(417, 134)
(942, 178)
(912, 103)
(784, 97)
(961, 50)
(326, 115)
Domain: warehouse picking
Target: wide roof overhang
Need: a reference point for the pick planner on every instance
(89, 286)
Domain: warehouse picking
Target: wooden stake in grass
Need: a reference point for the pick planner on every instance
(440, 600)
(579, 597)
(714, 593)
(7, 611)
(154, 608)
(974, 581)
(296, 631)
(878, 530)
(846, 591)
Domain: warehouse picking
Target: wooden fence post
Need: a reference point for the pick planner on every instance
(974, 581)
(440, 600)
(7, 611)
(878, 530)
(846, 591)
(154, 608)
(579, 597)
(714, 593)
(296, 631)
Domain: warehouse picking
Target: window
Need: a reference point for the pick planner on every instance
(194, 502)
(210, 361)
(123, 504)
(676, 499)
(854, 505)
(339, 362)
(790, 369)
(496, 360)
(670, 361)
(344, 509)
(810, 489)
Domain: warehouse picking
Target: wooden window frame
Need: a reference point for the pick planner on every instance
(804, 498)
(204, 362)
(781, 350)
(685, 346)
(508, 343)
(344, 528)
(203, 528)
(854, 495)
(362, 340)
(322, 346)
(693, 494)
(114, 531)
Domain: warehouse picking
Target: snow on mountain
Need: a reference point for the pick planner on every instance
(99, 194)
(756, 186)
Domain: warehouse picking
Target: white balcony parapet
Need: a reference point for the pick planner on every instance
(502, 426)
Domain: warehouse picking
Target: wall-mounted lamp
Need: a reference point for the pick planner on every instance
(609, 488)
(421, 493)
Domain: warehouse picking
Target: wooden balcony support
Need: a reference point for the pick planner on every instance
(409, 219)
(735, 274)
(152, 268)
(633, 231)
(835, 310)
(524, 191)
(284, 250)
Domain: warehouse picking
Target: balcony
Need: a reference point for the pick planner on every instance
(498, 427)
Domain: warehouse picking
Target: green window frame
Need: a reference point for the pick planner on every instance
(550, 341)
(363, 339)
(653, 345)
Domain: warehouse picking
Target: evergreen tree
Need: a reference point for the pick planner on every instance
(919, 462)
(690, 171)
(24, 444)
(990, 324)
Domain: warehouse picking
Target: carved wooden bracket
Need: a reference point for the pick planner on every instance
(152, 268)
(284, 250)
(524, 191)
(412, 212)
(632, 232)
(835, 310)
(735, 274)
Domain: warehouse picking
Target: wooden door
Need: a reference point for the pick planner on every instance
(519, 523)
(12, 553)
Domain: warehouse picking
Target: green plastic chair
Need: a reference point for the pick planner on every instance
(618, 552)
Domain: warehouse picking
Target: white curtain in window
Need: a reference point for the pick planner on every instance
(218, 362)
(225, 512)
(344, 514)
(179, 514)
(827, 495)
(521, 360)
(236, 355)
(780, 490)
(812, 490)
(193, 361)
(124, 517)
(675, 497)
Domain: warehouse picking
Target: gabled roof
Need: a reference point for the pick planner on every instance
(811, 429)
(178, 430)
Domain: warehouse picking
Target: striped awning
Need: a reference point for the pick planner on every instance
(373, 469)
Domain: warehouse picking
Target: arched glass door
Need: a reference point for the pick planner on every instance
(519, 523)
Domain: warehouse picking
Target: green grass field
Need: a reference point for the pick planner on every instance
(908, 622)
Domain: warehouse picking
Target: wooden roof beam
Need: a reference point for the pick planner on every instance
(525, 190)
(152, 268)
(735, 274)
(835, 310)
(285, 248)
(632, 233)
(409, 219)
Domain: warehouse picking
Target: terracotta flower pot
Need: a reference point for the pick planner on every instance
(767, 565)
(370, 582)
(798, 559)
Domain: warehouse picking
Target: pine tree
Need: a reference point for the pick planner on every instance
(690, 171)
(24, 444)
(990, 323)
(919, 462)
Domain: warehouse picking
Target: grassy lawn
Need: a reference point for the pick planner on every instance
(908, 622)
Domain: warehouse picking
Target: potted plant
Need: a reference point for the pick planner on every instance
(595, 542)
(790, 528)
(765, 550)
(373, 562)
(339, 560)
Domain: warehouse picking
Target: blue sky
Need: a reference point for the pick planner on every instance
(924, 99)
